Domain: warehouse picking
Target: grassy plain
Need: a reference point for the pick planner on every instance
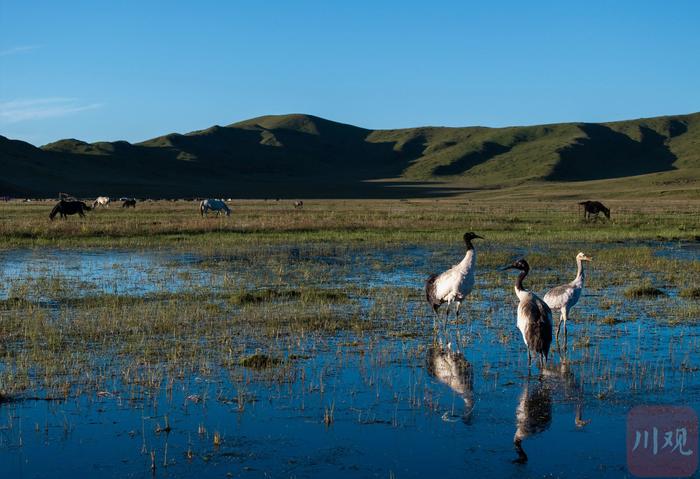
(177, 224)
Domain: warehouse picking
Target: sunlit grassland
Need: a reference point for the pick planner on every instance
(166, 224)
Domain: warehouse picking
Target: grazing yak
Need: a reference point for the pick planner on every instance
(65, 208)
(591, 209)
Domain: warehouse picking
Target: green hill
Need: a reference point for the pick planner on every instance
(307, 156)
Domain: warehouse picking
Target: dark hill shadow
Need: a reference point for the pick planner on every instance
(606, 153)
(676, 128)
(221, 162)
(336, 150)
(461, 165)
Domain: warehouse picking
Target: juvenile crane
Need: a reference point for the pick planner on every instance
(456, 283)
(534, 317)
(566, 296)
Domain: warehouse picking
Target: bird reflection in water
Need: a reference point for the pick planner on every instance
(453, 370)
(564, 380)
(533, 414)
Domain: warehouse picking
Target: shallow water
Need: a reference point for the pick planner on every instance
(393, 414)
(682, 251)
(110, 271)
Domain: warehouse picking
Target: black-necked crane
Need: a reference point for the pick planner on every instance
(534, 317)
(456, 283)
(566, 296)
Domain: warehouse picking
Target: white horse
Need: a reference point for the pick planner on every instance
(214, 205)
(101, 201)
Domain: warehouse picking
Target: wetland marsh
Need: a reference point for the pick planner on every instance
(297, 343)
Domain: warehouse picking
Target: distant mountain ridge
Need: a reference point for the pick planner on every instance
(304, 155)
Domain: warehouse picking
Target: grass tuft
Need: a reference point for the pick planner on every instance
(690, 293)
(643, 291)
(305, 295)
(260, 361)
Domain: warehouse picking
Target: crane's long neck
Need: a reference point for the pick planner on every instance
(469, 260)
(580, 274)
(519, 282)
(469, 244)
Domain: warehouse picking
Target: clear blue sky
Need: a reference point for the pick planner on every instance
(136, 69)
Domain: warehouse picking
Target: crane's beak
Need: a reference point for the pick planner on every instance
(587, 258)
(480, 237)
(506, 268)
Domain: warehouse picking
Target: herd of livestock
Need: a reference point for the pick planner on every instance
(70, 206)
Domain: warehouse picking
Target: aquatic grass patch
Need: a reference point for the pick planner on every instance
(14, 302)
(643, 291)
(681, 311)
(148, 337)
(305, 295)
(611, 320)
(690, 293)
(260, 361)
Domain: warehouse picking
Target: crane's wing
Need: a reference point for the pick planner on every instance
(447, 283)
(557, 297)
(538, 331)
(430, 295)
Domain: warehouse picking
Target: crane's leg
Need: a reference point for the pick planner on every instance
(447, 314)
(564, 317)
(559, 326)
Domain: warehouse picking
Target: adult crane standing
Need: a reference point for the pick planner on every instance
(566, 296)
(455, 284)
(534, 317)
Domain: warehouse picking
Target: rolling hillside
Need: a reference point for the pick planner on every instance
(307, 156)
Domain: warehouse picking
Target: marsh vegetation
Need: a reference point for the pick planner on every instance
(295, 342)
